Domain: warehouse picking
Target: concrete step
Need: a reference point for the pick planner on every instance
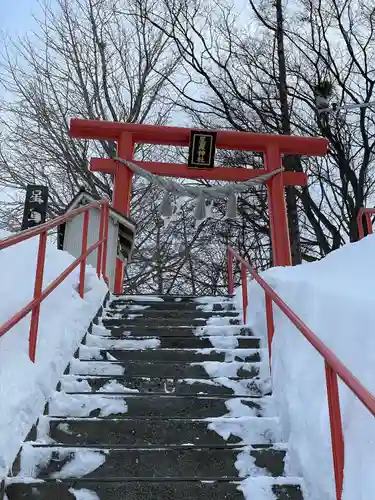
(147, 490)
(144, 306)
(172, 462)
(157, 299)
(161, 369)
(148, 405)
(182, 342)
(167, 355)
(152, 330)
(117, 384)
(158, 431)
(173, 314)
(162, 320)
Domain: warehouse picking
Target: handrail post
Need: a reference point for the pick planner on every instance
(369, 223)
(364, 213)
(361, 232)
(230, 273)
(244, 291)
(84, 249)
(38, 285)
(336, 428)
(105, 244)
(101, 236)
(270, 325)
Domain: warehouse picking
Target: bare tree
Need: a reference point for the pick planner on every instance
(85, 61)
(261, 75)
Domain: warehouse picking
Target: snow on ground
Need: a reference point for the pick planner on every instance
(335, 297)
(64, 319)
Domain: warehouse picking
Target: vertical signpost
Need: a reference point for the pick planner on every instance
(35, 208)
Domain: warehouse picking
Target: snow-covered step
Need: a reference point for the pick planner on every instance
(163, 431)
(155, 490)
(171, 355)
(123, 384)
(144, 306)
(129, 313)
(149, 405)
(170, 299)
(128, 341)
(162, 369)
(199, 462)
(161, 321)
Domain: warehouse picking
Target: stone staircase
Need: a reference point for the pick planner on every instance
(166, 399)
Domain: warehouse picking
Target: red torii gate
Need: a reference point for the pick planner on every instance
(272, 146)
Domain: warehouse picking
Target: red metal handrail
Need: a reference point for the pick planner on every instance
(39, 294)
(364, 212)
(333, 366)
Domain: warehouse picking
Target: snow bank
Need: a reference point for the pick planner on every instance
(64, 319)
(335, 297)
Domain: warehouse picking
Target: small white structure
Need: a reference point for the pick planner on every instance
(121, 231)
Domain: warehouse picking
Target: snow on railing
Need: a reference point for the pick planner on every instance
(333, 366)
(39, 294)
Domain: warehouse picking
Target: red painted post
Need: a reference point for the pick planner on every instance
(361, 232)
(105, 245)
(270, 324)
(244, 292)
(365, 213)
(336, 428)
(230, 273)
(369, 223)
(277, 209)
(82, 271)
(101, 236)
(122, 195)
(38, 286)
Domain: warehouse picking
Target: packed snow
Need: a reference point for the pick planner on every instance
(77, 462)
(64, 320)
(250, 430)
(82, 405)
(335, 298)
(84, 494)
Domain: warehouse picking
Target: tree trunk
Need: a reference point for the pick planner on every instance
(291, 193)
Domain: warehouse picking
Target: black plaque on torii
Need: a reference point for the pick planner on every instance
(202, 149)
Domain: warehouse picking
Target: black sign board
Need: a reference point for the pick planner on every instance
(36, 202)
(202, 149)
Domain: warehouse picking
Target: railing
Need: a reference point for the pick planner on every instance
(333, 366)
(365, 212)
(39, 294)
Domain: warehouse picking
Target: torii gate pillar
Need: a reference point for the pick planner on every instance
(272, 147)
(122, 191)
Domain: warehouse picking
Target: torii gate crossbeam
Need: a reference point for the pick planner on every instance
(272, 146)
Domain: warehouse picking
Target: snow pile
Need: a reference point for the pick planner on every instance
(64, 319)
(335, 298)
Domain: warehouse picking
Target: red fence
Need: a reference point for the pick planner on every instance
(333, 366)
(39, 294)
(365, 213)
